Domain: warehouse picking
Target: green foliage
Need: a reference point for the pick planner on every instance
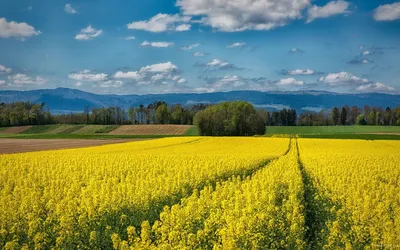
(162, 115)
(106, 129)
(361, 120)
(230, 119)
(335, 116)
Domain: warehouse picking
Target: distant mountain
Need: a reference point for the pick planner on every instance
(64, 100)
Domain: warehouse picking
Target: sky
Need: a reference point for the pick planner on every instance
(200, 46)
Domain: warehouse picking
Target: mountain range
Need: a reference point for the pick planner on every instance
(64, 100)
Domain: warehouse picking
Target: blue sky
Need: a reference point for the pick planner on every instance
(150, 46)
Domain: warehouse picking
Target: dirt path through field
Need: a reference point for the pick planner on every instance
(8, 146)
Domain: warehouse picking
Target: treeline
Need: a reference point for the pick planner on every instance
(352, 116)
(285, 117)
(156, 113)
(24, 113)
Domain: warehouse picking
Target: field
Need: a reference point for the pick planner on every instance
(96, 131)
(204, 193)
(8, 146)
(151, 130)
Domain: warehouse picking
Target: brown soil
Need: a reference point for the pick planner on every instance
(15, 130)
(8, 146)
(151, 130)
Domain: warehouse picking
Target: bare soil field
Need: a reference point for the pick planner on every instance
(9, 146)
(15, 130)
(151, 130)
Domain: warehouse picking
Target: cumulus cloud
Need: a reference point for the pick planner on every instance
(299, 72)
(375, 87)
(330, 9)
(88, 33)
(88, 76)
(3, 69)
(387, 12)
(295, 50)
(231, 16)
(68, 8)
(342, 78)
(20, 80)
(162, 23)
(366, 53)
(236, 45)
(130, 38)
(14, 29)
(192, 46)
(2, 82)
(217, 64)
(164, 73)
(289, 82)
(157, 44)
(78, 84)
(235, 82)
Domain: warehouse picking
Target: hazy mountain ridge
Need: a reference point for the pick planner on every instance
(62, 100)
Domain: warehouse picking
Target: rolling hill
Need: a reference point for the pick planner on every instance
(64, 100)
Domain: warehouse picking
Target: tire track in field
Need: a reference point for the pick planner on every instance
(317, 208)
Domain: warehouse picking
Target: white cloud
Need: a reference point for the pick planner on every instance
(157, 44)
(295, 50)
(342, 78)
(189, 47)
(217, 64)
(289, 82)
(3, 69)
(387, 12)
(68, 8)
(366, 53)
(231, 16)
(162, 23)
(2, 82)
(236, 45)
(160, 67)
(130, 38)
(330, 9)
(78, 84)
(198, 54)
(301, 72)
(88, 76)
(182, 80)
(375, 87)
(14, 29)
(161, 77)
(133, 75)
(183, 27)
(88, 33)
(365, 61)
(22, 79)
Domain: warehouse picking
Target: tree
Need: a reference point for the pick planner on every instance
(360, 120)
(335, 116)
(343, 116)
(371, 120)
(131, 115)
(162, 115)
(230, 119)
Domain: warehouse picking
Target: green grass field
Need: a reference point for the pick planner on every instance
(320, 130)
(40, 129)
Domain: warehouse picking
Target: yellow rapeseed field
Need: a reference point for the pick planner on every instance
(356, 186)
(204, 193)
(79, 198)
